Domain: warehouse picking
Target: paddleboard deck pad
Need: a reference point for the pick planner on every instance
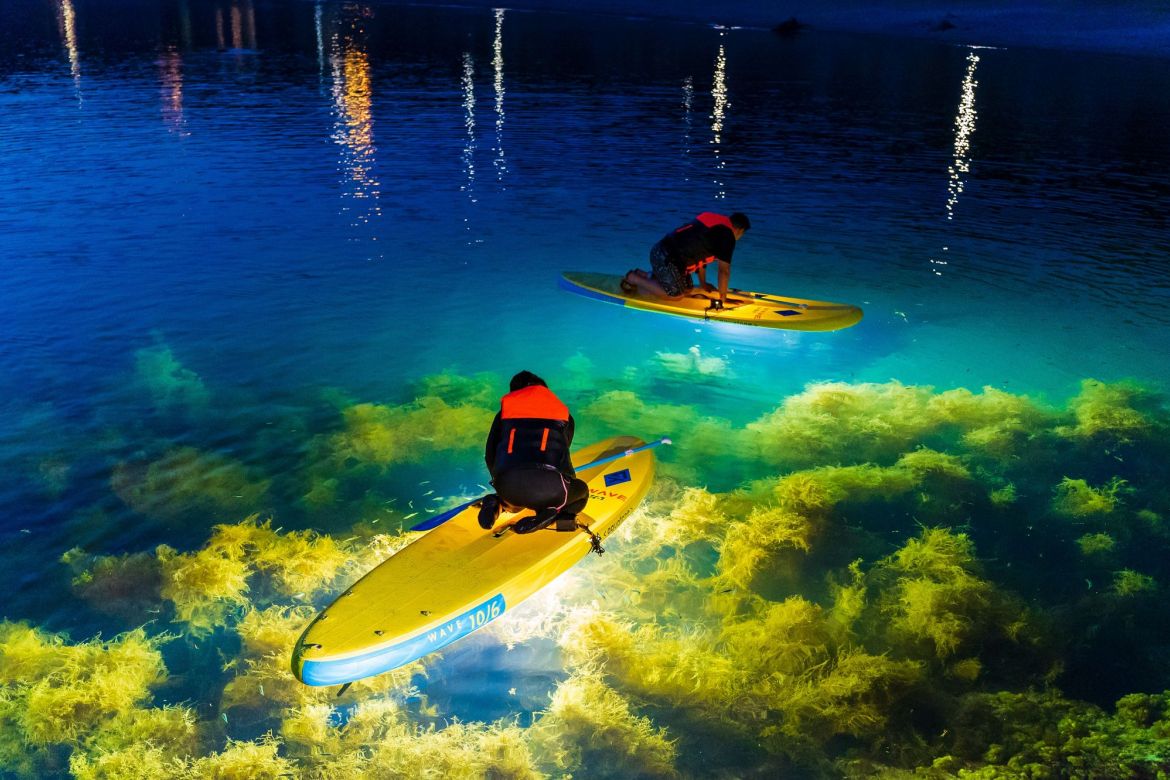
(757, 309)
(458, 577)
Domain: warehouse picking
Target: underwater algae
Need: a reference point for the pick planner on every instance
(171, 386)
(904, 582)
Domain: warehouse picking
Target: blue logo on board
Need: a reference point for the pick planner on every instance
(617, 477)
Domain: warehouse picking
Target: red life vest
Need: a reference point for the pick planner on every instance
(533, 432)
(707, 220)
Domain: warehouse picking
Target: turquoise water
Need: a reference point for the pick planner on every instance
(227, 225)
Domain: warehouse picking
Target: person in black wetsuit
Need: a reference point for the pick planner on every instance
(707, 238)
(527, 455)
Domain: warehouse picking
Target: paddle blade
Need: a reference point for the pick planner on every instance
(438, 520)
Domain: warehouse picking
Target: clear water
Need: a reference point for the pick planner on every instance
(301, 203)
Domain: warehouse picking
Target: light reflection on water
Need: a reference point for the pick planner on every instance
(718, 113)
(171, 75)
(469, 123)
(960, 166)
(500, 161)
(353, 108)
(68, 23)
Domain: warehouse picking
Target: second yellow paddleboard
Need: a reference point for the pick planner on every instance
(749, 308)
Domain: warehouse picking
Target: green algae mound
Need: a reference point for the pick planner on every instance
(902, 583)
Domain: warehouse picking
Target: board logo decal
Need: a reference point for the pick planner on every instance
(617, 477)
(786, 312)
(381, 659)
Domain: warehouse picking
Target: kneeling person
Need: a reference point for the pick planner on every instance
(708, 238)
(527, 455)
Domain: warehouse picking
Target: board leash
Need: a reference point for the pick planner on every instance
(594, 540)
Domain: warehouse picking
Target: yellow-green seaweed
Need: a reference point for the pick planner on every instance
(935, 597)
(126, 585)
(1076, 498)
(170, 385)
(1115, 413)
(249, 563)
(379, 740)
(1128, 582)
(384, 435)
(1096, 544)
(187, 481)
(483, 389)
(58, 693)
(590, 729)
(835, 422)
(682, 618)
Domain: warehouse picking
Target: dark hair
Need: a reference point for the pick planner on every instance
(525, 379)
(740, 220)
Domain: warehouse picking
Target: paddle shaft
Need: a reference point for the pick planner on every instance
(439, 519)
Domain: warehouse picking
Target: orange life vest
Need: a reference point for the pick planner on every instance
(533, 432)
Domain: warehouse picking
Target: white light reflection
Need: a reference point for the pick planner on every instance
(220, 41)
(961, 165)
(353, 128)
(500, 163)
(688, 106)
(68, 23)
(719, 93)
(964, 127)
(171, 74)
(320, 40)
(540, 616)
(469, 125)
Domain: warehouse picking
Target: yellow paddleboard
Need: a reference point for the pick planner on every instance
(758, 309)
(458, 577)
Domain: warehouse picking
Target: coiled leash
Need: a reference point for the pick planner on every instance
(594, 540)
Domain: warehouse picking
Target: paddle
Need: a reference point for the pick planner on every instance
(439, 519)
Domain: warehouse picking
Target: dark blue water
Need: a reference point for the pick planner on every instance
(223, 222)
